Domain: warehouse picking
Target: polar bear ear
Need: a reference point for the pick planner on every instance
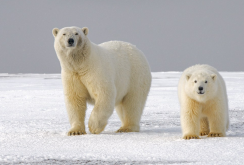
(55, 32)
(214, 76)
(188, 76)
(85, 30)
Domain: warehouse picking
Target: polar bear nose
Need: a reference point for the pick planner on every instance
(71, 41)
(200, 88)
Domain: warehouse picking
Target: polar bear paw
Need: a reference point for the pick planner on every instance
(96, 127)
(203, 133)
(188, 137)
(123, 130)
(214, 134)
(73, 132)
(127, 129)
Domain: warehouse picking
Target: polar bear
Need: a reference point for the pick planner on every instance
(110, 75)
(203, 102)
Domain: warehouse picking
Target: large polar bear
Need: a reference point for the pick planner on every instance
(111, 74)
(203, 101)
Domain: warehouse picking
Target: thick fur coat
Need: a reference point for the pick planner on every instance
(110, 75)
(203, 101)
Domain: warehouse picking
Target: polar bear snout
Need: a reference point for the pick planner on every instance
(200, 90)
(70, 42)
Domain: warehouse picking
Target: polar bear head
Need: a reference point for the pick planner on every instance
(72, 46)
(201, 85)
(70, 39)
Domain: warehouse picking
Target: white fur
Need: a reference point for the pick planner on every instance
(204, 114)
(108, 75)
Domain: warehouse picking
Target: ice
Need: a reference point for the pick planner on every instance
(34, 122)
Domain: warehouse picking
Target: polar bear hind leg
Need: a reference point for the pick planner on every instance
(130, 111)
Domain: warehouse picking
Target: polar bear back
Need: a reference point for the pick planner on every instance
(130, 63)
(128, 53)
(126, 65)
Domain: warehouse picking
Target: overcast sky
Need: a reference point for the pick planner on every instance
(173, 34)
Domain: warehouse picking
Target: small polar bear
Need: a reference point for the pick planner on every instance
(203, 101)
(110, 75)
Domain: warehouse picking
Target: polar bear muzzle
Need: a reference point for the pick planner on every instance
(71, 42)
(200, 90)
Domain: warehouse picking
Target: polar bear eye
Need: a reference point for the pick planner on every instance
(76, 33)
(195, 81)
(206, 81)
(64, 34)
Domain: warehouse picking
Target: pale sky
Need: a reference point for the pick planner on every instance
(173, 34)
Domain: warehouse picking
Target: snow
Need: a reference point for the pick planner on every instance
(33, 126)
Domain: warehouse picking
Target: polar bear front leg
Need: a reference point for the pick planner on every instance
(217, 121)
(75, 101)
(190, 119)
(204, 126)
(76, 113)
(101, 112)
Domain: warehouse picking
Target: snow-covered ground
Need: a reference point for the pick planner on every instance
(33, 126)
